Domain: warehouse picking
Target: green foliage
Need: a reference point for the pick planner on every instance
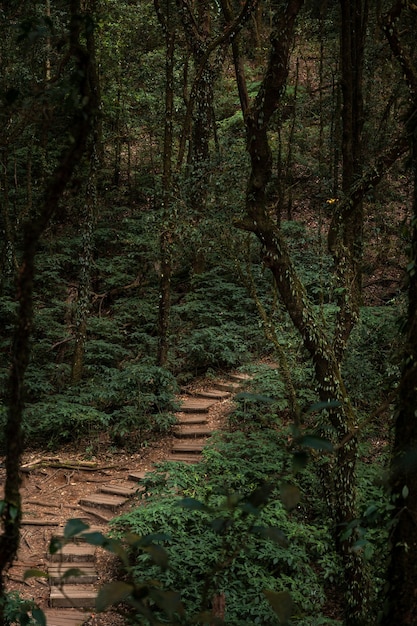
(23, 612)
(216, 323)
(129, 403)
(371, 366)
(231, 533)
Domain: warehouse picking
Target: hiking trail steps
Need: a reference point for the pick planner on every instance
(72, 601)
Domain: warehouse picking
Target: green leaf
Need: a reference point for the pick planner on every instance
(34, 573)
(55, 545)
(158, 555)
(168, 601)
(290, 496)
(405, 491)
(148, 540)
(13, 511)
(74, 527)
(73, 571)
(192, 504)
(112, 593)
(281, 603)
(299, 461)
(39, 616)
(323, 406)
(273, 533)
(95, 539)
(317, 443)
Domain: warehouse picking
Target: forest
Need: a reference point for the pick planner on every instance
(192, 187)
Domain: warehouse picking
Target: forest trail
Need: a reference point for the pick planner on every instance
(105, 495)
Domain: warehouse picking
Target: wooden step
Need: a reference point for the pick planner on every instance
(74, 553)
(191, 418)
(213, 394)
(103, 500)
(240, 377)
(196, 405)
(137, 476)
(66, 617)
(192, 431)
(73, 596)
(184, 458)
(228, 386)
(92, 528)
(188, 447)
(104, 515)
(121, 489)
(88, 573)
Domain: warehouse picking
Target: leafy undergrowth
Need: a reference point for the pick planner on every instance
(234, 527)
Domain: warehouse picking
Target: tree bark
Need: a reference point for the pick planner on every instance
(165, 239)
(401, 602)
(325, 355)
(70, 157)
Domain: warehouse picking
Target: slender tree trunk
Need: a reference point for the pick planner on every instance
(88, 219)
(165, 240)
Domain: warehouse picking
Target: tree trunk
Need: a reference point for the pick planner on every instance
(401, 604)
(165, 240)
(324, 354)
(70, 157)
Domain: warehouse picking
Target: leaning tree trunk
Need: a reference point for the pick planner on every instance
(326, 355)
(33, 230)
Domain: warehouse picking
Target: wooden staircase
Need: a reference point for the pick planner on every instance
(72, 599)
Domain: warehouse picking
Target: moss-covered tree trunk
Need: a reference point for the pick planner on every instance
(32, 232)
(325, 354)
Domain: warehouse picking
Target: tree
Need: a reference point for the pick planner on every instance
(165, 238)
(401, 605)
(77, 61)
(345, 242)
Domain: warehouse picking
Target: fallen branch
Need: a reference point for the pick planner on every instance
(39, 522)
(43, 503)
(58, 463)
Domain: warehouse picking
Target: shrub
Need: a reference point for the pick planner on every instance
(232, 534)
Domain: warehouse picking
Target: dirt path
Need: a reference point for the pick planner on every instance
(57, 488)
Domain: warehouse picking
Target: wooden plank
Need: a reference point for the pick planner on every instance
(72, 596)
(87, 575)
(103, 516)
(184, 458)
(120, 489)
(188, 447)
(191, 418)
(227, 386)
(196, 405)
(240, 377)
(192, 431)
(66, 617)
(74, 552)
(39, 522)
(137, 476)
(213, 394)
(103, 500)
